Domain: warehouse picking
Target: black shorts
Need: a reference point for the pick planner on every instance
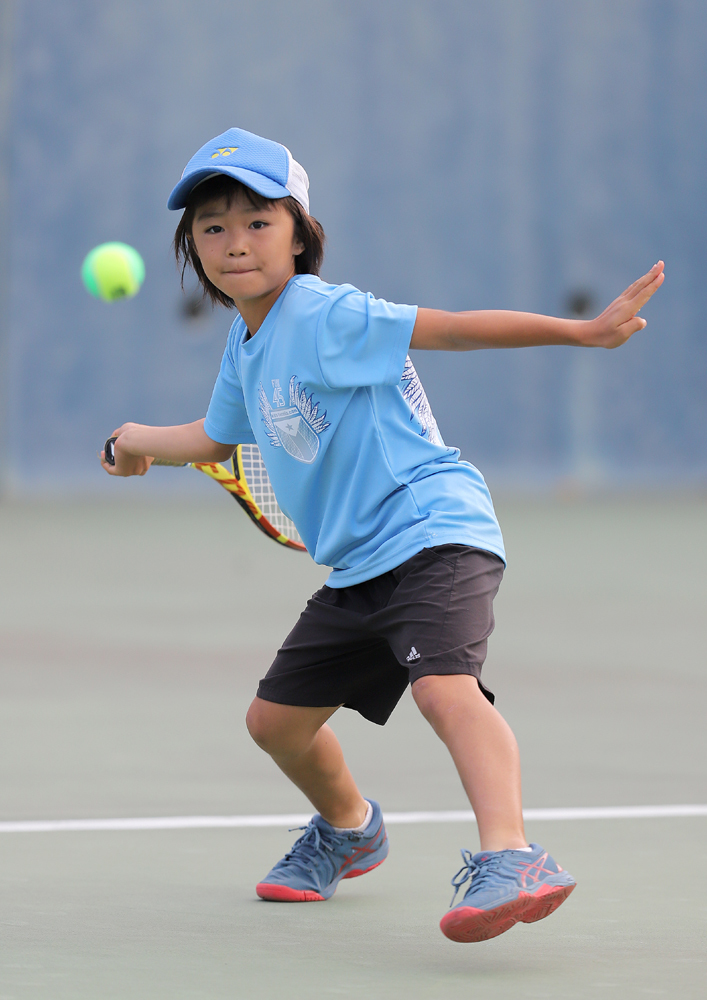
(360, 646)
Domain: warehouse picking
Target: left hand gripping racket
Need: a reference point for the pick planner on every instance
(249, 485)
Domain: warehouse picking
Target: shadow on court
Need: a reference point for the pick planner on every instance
(125, 677)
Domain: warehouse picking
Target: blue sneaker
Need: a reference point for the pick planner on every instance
(321, 857)
(506, 887)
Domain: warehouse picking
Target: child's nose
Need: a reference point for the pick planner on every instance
(237, 249)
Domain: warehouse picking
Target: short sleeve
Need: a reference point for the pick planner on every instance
(226, 418)
(362, 340)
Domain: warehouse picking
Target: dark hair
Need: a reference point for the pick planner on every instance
(307, 230)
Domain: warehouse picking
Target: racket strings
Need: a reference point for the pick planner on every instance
(259, 484)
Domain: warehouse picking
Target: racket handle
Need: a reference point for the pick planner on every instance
(110, 456)
(108, 450)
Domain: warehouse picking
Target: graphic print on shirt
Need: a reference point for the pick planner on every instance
(416, 398)
(296, 427)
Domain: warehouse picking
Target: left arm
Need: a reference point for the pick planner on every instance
(436, 330)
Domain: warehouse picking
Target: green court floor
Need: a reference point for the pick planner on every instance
(131, 639)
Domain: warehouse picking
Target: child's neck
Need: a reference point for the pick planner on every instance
(254, 311)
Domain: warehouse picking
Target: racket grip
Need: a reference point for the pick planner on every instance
(110, 456)
(108, 450)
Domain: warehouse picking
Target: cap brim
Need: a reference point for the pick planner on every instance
(257, 182)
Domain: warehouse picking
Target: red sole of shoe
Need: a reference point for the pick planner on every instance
(284, 894)
(466, 923)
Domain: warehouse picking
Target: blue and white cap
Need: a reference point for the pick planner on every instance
(261, 164)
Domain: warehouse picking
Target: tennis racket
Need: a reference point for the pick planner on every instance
(249, 485)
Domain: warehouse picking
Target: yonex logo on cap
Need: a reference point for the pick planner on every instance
(225, 151)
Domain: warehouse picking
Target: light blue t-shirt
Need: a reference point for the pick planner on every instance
(326, 390)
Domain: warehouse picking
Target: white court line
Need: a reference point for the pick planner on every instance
(301, 819)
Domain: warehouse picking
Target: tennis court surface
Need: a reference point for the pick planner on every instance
(126, 670)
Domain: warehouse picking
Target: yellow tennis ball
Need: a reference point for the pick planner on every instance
(113, 271)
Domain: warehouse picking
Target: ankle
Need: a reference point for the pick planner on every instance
(346, 818)
(501, 843)
(360, 827)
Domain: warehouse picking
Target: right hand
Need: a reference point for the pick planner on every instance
(126, 463)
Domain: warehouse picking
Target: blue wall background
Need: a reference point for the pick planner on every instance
(471, 154)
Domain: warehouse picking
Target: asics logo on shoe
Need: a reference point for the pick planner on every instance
(412, 655)
(532, 871)
(359, 854)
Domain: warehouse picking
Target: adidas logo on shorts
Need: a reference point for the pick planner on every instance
(412, 655)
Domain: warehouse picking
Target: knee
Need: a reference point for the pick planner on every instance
(262, 726)
(426, 692)
(440, 696)
(269, 727)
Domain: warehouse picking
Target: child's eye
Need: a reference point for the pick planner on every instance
(258, 224)
(215, 229)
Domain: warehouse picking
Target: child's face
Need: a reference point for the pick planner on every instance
(248, 253)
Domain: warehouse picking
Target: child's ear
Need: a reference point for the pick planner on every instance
(297, 248)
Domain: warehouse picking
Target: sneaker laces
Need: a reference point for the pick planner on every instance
(310, 844)
(472, 871)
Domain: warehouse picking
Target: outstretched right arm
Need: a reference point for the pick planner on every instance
(137, 445)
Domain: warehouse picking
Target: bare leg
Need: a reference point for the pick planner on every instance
(308, 752)
(484, 750)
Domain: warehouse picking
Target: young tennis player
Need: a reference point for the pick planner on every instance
(319, 377)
